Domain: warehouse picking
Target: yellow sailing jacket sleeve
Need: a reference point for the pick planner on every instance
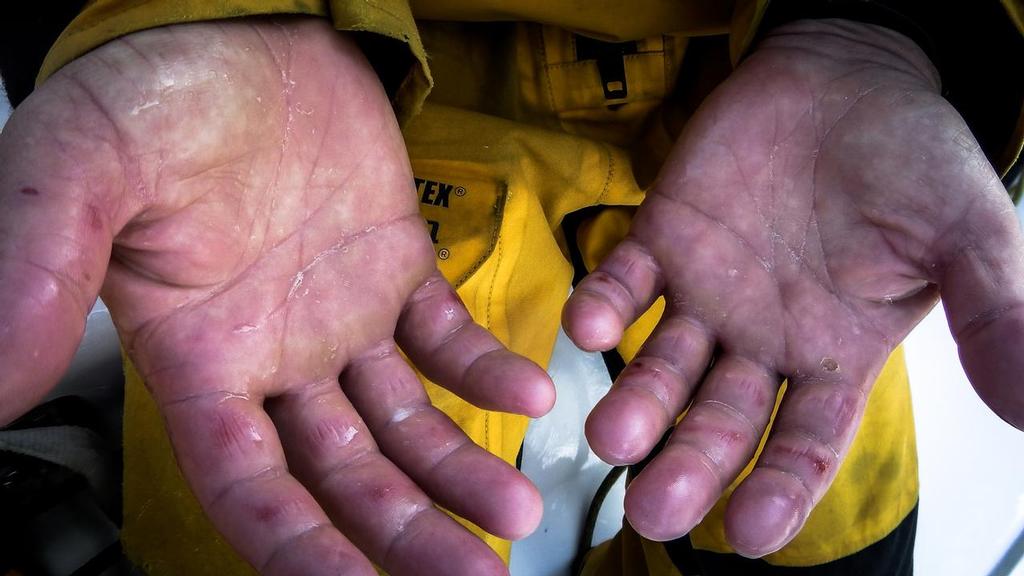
(966, 35)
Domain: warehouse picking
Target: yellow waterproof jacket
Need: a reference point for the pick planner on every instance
(509, 130)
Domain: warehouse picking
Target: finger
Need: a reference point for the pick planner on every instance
(612, 297)
(444, 342)
(811, 435)
(707, 451)
(56, 225)
(982, 286)
(228, 450)
(651, 392)
(435, 453)
(320, 550)
(366, 496)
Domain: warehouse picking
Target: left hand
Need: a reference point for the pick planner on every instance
(812, 212)
(242, 193)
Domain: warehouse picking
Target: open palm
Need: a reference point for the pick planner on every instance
(249, 188)
(812, 212)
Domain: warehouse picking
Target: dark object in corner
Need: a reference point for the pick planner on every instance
(27, 30)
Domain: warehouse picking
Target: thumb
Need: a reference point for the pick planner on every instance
(56, 229)
(982, 287)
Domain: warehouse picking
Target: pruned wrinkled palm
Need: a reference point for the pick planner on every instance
(248, 186)
(812, 212)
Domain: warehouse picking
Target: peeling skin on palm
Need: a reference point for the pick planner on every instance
(828, 364)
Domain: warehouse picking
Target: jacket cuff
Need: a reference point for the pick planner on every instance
(393, 47)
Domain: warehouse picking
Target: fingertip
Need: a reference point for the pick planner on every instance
(508, 505)
(646, 516)
(514, 508)
(671, 496)
(765, 513)
(529, 511)
(508, 382)
(542, 402)
(592, 324)
(620, 429)
(494, 495)
(540, 394)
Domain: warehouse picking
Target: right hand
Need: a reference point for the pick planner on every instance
(241, 193)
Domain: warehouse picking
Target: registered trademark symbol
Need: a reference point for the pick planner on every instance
(443, 253)
(460, 191)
